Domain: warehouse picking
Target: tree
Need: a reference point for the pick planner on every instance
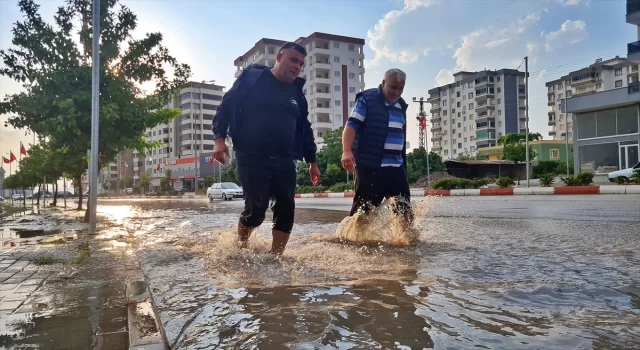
(56, 77)
(165, 182)
(515, 150)
(230, 173)
(144, 182)
(330, 154)
(209, 180)
(417, 164)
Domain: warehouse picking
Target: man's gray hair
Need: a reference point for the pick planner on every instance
(402, 76)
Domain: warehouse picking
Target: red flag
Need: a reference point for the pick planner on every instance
(13, 157)
(23, 151)
(211, 159)
(158, 167)
(6, 161)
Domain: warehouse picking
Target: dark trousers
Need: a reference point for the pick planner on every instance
(263, 178)
(374, 185)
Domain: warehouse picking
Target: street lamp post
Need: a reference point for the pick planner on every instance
(422, 139)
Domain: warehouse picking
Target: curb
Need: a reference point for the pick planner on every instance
(145, 329)
(518, 191)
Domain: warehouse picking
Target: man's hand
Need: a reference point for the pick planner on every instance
(314, 173)
(348, 161)
(220, 150)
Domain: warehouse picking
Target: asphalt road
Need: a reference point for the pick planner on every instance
(580, 207)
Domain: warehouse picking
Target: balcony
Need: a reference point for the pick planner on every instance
(633, 12)
(238, 72)
(435, 118)
(552, 111)
(551, 102)
(633, 88)
(483, 81)
(322, 94)
(584, 90)
(483, 117)
(633, 50)
(436, 128)
(436, 148)
(552, 121)
(436, 138)
(321, 79)
(486, 125)
(485, 93)
(321, 65)
(589, 78)
(435, 108)
(485, 106)
(605, 99)
(321, 49)
(433, 98)
(322, 109)
(552, 133)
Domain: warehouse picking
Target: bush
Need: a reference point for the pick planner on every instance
(311, 189)
(635, 177)
(585, 179)
(453, 184)
(341, 187)
(621, 180)
(505, 182)
(570, 180)
(545, 167)
(546, 180)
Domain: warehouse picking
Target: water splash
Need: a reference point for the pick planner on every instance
(382, 225)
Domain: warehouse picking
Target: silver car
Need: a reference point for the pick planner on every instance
(224, 191)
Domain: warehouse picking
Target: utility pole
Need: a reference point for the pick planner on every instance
(566, 127)
(95, 118)
(422, 125)
(526, 96)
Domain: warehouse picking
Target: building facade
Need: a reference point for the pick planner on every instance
(476, 110)
(333, 70)
(545, 150)
(607, 123)
(601, 76)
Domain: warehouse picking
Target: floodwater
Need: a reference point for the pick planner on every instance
(473, 282)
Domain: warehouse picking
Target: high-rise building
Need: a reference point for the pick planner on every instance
(475, 110)
(607, 121)
(333, 70)
(600, 76)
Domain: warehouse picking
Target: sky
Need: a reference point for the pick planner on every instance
(429, 39)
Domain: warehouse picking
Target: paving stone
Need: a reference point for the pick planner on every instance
(112, 341)
(33, 282)
(8, 287)
(10, 305)
(112, 320)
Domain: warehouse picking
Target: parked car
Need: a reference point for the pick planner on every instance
(626, 173)
(17, 197)
(224, 191)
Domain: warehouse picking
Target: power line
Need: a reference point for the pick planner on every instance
(577, 61)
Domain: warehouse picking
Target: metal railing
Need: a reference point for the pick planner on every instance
(633, 88)
(633, 47)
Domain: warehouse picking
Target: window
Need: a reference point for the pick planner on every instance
(471, 95)
(352, 47)
(559, 86)
(554, 154)
(560, 96)
(499, 89)
(351, 104)
(336, 59)
(337, 102)
(498, 79)
(444, 93)
(459, 125)
(444, 103)
(446, 142)
(464, 98)
(336, 73)
(458, 104)
(352, 90)
(569, 94)
(444, 122)
(618, 83)
(618, 71)
(444, 113)
(336, 88)
(352, 75)
(459, 145)
(271, 50)
(465, 139)
(458, 94)
(598, 85)
(472, 148)
(499, 112)
(446, 152)
(352, 61)
(470, 106)
(499, 123)
(499, 101)
(336, 45)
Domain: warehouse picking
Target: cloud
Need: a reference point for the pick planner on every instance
(495, 43)
(445, 76)
(571, 32)
(378, 37)
(541, 75)
(573, 2)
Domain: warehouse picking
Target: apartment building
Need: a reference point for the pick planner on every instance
(476, 110)
(607, 121)
(333, 70)
(600, 76)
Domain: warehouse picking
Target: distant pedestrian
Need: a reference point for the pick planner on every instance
(266, 114)
(373, 146)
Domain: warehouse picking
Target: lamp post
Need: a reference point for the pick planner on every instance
(422, 126)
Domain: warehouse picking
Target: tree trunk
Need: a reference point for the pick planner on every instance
(55, 194)
(79, 193)
(39, 192)
(87, 213)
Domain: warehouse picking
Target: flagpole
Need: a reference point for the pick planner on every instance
(24, 201)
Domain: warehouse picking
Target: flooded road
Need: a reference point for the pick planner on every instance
(544, 272)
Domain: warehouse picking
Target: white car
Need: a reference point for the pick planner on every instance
(225, 191)
(626, 173)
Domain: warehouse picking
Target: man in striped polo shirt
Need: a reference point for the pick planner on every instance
(373, 146)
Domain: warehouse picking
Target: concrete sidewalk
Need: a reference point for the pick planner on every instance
(69, 290)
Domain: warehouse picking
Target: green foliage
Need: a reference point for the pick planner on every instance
(635, 176)
(546, 180)
(342, 187)
(165, 182)
(417, 164)
(209, 180)
(145, 181)
(230, 173)
(505, 182)
(456, 184)
(551, 167)
(582, 179)
(56, 75)
(311, 189)
(621, 180)
(128, 182)
(512, 139)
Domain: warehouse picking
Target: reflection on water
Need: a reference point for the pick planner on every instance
(487, 283)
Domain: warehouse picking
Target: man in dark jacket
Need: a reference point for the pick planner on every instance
(266, 113)
(373, 146)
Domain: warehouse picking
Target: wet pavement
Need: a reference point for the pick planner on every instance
(544, 272)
